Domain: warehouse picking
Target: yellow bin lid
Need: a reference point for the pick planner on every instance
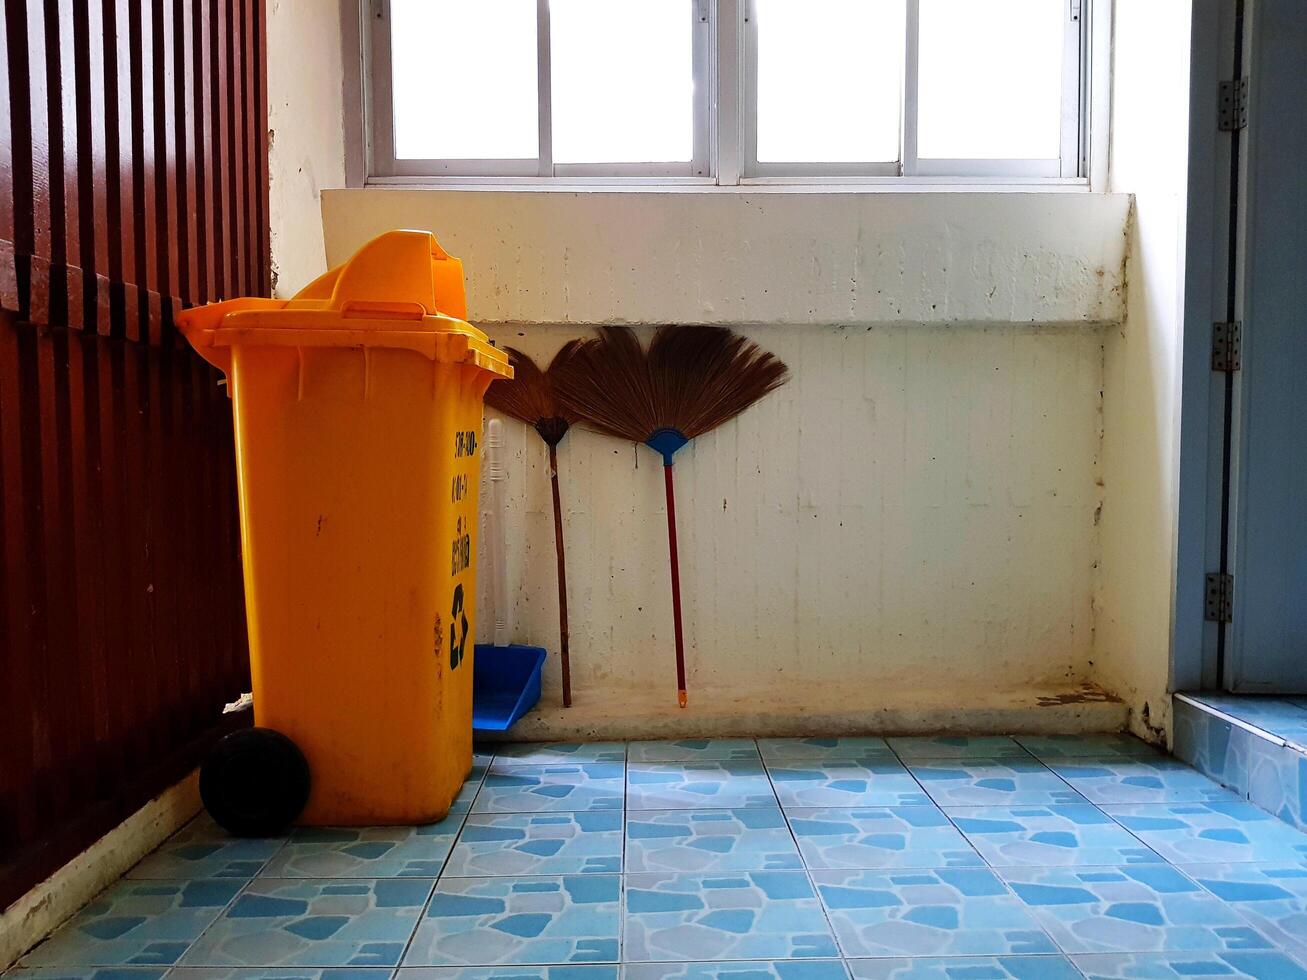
(400, 290)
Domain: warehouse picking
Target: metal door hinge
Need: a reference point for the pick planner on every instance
(701, 11)
(1219, 607)
(1075, 11)
(1226, 344)
(1232, 105)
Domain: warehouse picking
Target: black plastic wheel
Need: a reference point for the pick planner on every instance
(254, 782)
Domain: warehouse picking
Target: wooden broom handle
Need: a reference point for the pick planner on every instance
(564, 658)
(681, 696)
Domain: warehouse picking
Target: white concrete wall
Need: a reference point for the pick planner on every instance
(915, 512)
(914, 509)
(306, 149)
(1142, 357)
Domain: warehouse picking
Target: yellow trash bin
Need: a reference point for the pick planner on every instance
(358, 408)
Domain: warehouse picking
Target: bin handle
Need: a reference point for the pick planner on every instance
(382, 310)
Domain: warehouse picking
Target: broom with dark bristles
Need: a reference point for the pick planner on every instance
(530, 397)
(690, 380)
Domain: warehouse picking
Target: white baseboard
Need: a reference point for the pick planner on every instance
(47, 906)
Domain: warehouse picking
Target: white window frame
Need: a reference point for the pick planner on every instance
(725, 116)
(1070, 161)
(383, 163)
(750, 167)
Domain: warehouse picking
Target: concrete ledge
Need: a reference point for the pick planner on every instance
(654, 714)
(785, 258)
(49, 904)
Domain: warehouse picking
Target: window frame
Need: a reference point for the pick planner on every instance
(724, 117)
(750, 167)
(382, 162)
(1070, 161)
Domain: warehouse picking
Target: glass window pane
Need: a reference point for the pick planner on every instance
(829, 80)
(622, 80)
(990, 82)
(464, 77)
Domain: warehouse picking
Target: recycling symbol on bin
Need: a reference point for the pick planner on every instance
(457, 629)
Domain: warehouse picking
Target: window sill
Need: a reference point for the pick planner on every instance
(747, 185)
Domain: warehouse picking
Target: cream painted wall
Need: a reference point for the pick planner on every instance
(1142, 359)
(306, 139)
(916, 510)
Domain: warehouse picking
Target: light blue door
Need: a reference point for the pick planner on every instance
(1268, 634)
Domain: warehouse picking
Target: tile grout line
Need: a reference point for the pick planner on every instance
(435, 882)
(621, 881)
(556, 875)
(1116, 823)
(1087, 802)
(214, 921)
(912, 775)
(1245, 914)
(807, 872)
(232, 901)
(1009, 890)
(1162, 862)
(996, 870)
(417, 923)
(1003, 883)
(1102, 806)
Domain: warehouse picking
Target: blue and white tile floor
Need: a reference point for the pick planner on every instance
(781, 859)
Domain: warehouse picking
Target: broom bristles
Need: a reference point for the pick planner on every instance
(531, 395)
(691, 379)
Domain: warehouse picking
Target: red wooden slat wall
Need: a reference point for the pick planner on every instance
(133, 183)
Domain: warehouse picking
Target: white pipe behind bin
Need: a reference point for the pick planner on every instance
(496, 548)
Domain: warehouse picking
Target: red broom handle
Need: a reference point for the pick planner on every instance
(681, 696)
(564, 659)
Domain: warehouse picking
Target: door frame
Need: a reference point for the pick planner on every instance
(1208, 414)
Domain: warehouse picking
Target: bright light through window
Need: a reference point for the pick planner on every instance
(623, 80)
(829, 79)
(699, 90)
(991, 79)
(464, 79)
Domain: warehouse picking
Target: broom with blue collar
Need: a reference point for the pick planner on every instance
(689, 381)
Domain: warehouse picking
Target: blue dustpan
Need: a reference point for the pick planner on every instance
(505, 684)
